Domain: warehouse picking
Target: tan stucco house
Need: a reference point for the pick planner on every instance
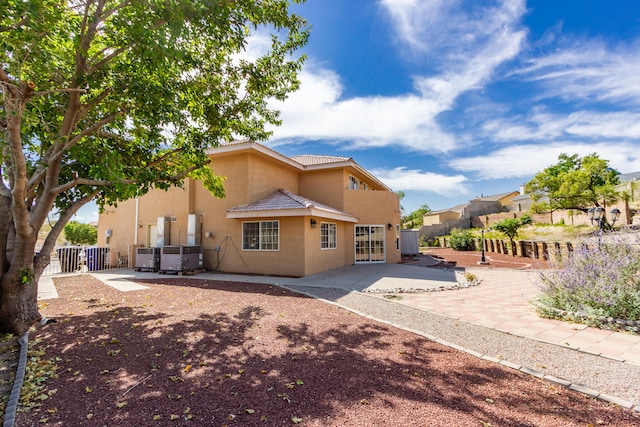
(288, 216)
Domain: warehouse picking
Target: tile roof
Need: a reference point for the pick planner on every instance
(312, 160)
(456, 209)
(283, 200)
(628, 177)
(495, 197)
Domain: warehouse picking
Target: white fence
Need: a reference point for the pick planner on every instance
(78, 259)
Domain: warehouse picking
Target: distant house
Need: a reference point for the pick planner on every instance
(630, 185)
(287, 216)
(479, 206)
(443, 221)
(445, 215)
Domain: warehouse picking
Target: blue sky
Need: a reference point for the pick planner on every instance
(448, 100)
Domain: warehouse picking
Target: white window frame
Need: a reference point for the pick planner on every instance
(327, 228)
(353, 183)
(264, 237)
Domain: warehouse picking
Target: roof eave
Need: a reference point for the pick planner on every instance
(282, 213)
(244, 146)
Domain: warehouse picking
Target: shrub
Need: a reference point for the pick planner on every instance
(424, 241)
(80, 234)
(598, 281)
(461, 240)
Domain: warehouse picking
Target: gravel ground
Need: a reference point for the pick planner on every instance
(190, 352)
(598, 373)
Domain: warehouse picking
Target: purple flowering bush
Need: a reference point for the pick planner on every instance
(596, 281)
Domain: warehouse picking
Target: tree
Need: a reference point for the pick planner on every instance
(401, 195)
(510, 226)
(80, 234)
(416, 218)
(574, 183)
(106, 99)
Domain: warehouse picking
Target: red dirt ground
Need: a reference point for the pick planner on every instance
(190, 352)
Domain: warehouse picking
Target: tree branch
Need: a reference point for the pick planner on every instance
(105, 121)
(97, 100)
(15, 26)
(104, 61)
(49, 92)
(51, 238)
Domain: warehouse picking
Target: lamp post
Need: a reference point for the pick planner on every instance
(597, 215)
(483, 260)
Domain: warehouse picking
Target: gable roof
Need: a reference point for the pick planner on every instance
(457, 209)
(305, 162)
(495, 197)
(312, 160)
(284, 203)
(627, 177)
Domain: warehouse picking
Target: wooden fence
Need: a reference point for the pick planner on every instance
(522, 248)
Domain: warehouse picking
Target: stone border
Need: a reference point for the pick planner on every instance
(420, 290)
(457, 286)
(631, 326)
(14, 396)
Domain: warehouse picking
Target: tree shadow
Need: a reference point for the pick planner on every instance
(261, 359)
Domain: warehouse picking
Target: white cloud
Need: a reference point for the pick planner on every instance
(587, 70)
(469, 43)
(317, 112)
(524, 161)
(587, 125)
(468, 46)
(405, 179)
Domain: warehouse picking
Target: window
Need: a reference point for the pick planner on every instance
(365, 186)
(261, 236)
(353, 183)
(328, 234)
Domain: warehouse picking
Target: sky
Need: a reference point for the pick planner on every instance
(448, 100)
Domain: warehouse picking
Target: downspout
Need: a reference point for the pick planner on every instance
(135, 228)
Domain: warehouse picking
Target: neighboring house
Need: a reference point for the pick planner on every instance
(442, 216)
(442, 222)
(287, 216)
(479, 206)
(630, 184)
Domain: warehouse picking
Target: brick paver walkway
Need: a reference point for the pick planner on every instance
(503, 302)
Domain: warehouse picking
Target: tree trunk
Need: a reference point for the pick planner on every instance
(19, 300)
(19, 287)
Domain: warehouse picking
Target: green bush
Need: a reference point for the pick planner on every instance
(80, 234)
(461, 240)
(424, 241)
(598, 281)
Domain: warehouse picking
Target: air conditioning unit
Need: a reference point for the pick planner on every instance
(179, 259)
(147, 259)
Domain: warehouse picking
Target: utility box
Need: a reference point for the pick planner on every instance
(164, 231)
(180, 259)
(147, 259)
(194, 229)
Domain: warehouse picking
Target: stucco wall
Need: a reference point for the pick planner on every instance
(325, 186)
(373, 207)
(251, 176)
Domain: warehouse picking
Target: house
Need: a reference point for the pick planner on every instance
(461, 216)
(287, 216)
(442, 216)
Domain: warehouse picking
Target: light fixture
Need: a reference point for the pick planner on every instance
(615, 215)
(597, 215)
(389, 226)
(314, 224)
